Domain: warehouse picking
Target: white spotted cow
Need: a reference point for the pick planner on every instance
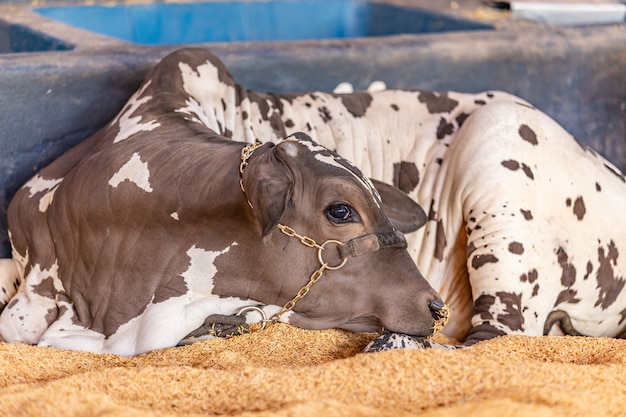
(523, 228)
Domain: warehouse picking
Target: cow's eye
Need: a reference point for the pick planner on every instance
(341, 213)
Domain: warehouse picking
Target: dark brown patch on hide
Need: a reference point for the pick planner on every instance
(460, 119)
(470, 249)
(528, 215)
(610, 286)
(437, 102)
(56, 313)
(530, 277)
(528, 171)
(324, 114)
(357, 103)
(261, 102)
(444, 129)
(516, 248)
(513, 317)
(45, 288)
(483, 304)
(406, 176)
(528, 134)
(277, 125)
(52, 315)
(589, 270)
(567, 296)
(173, 287)
(432, 213)
(479, 261)
(579, 208)
(511, 164)
(568, 274)
(621, 320)
(440, 242)
(514, 166)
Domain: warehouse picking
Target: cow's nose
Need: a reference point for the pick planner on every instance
(438, 309)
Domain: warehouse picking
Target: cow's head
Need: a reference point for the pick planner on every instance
(320, 195)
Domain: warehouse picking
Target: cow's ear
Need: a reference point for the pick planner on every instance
(268, 186)
(405, 214)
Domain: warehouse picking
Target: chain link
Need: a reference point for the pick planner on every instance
(246, 152)
(305, 240)
(315, 276)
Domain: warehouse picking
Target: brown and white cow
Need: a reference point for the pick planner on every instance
(523, 234)
(129, 241)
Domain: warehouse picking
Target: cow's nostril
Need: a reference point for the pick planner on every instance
(437, 309)
(440, 313)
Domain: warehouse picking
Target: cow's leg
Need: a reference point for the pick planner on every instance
(9, 281)
(480, 197)
(33, 307)
(543, 218)
(389, 341)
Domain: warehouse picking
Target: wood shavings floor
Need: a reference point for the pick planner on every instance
(285, 371)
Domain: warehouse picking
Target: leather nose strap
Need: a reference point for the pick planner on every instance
(371, 243)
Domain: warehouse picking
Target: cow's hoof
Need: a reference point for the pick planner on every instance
(388, 341)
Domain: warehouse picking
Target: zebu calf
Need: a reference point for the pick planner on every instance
(129, 241)
(523, 229)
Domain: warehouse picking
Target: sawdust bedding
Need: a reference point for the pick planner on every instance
(285, 371)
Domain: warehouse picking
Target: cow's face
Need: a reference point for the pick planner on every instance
(303, 185)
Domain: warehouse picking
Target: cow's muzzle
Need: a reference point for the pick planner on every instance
(440, 313)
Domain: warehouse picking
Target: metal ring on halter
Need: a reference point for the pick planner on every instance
(258, 310)
(319, 255)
